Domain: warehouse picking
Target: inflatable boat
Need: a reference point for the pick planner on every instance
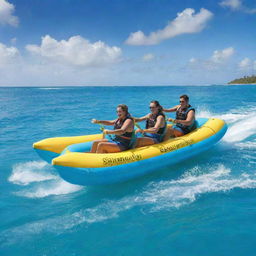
(71, 157)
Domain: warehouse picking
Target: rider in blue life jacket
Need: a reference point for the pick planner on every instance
(185, 118)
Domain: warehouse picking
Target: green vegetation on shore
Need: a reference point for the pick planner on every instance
(244, 80)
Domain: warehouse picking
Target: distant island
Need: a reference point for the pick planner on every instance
(244, 80)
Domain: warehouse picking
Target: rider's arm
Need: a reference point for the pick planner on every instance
(171, 109)
(140, 119)
(125, 127)
(159, 122)
(105, 122)
(190, 118)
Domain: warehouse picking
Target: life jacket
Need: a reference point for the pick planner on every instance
(118, 125)
(181, 114)
(151, 122)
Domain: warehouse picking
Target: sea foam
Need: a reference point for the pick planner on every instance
(58, 187)
(28, 172)
(242, 129)
(41, 173)
(241, 123)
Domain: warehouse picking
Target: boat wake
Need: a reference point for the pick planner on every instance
(241, 123)
(38, 179)
(247, 145)
(33, 171)
(242, 129)
(156, 196)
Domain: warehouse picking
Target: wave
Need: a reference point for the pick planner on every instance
(59, 187)
(39, 172)
(171, 194)
(229, 118)
(33, 171)
(156, 196)
(241, 123)
(203, 113)
(247, 145)
(242, 130)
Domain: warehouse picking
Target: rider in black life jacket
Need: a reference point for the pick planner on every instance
(185, 118)
(155, 126)
(123, 131)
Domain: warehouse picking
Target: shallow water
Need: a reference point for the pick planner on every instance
(203, 206)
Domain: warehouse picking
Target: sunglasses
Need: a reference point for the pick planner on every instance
(182, 101)
(151, 107)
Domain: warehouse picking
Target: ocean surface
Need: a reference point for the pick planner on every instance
(202, 206)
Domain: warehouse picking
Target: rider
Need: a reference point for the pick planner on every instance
(123, 131)
(185, 118)
(155, 126)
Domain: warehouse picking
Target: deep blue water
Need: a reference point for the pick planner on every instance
(203, 206)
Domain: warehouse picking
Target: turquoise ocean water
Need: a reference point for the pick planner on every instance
(203, 206)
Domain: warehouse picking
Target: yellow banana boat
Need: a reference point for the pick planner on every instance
(70, 156)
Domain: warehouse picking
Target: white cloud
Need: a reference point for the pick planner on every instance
(220, 56)
(76, 51)
(245, 63)
(217, 60)
(237, 5)
(60, 63)
(6, 14)
(148, 57)
(8, 55)
(233, 4)
(186, 22)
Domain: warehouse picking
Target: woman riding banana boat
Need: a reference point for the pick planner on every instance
(123, 131)
(155, 126)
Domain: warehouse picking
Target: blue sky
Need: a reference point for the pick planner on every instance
(126, 42)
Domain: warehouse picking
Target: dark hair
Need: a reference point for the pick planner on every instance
(124, 108)
(185, 97)
(160, 108)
